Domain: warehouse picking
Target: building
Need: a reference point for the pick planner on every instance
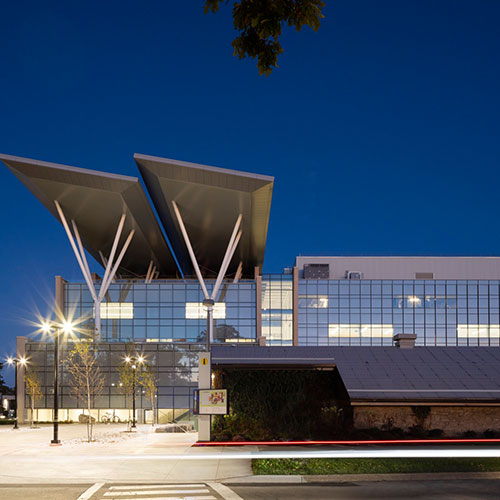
(204, 251)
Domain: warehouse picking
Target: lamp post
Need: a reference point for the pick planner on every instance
(15, 362)
(209, 304)
(66, 328)
(135, 360)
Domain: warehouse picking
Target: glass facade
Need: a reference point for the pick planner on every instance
(277, 309)
(330, 312)
(166, 311)
(370, 312)
(175, 368)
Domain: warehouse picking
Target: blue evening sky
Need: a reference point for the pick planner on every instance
(382, 129)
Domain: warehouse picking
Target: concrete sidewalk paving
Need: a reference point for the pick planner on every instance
(27, 457)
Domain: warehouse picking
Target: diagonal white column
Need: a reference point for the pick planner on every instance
(82, 252)
(190, 250)
(227, 256)
(90, 285)
(103, 260)
(105, 285)
(112, 254)
(150, 268)
(223, 270)
(239, 272)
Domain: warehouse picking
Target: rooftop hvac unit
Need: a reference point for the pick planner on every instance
(353, 275)
(316, 271)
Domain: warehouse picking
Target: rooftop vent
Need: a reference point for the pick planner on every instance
(405, 340)
(353, 275)
(424, 276)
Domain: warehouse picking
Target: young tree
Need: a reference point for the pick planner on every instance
(33, 388)
(87, 379)
(148, 382)
(260, 22)
(127, 385)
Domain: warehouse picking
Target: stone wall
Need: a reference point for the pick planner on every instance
(451, 419)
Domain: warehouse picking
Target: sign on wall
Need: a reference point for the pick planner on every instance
(211, 402)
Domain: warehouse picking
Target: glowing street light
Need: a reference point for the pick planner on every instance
(65, 327)
(138, 359)
(16, 361)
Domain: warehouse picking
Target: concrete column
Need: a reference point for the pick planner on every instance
(204, 382)
(21, 370)
(59, 297)
(258, 306)
(295, 305)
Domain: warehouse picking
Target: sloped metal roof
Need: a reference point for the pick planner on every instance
(210, 200)
(96, 201)
(387, 374)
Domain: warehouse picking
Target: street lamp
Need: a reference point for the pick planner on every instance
(65, 327)
(135, 360)
(209, 305)
(15, 361)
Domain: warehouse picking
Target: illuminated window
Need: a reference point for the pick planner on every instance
(277, 326)
(414, 301)
(478, 331)
(277, 295)
(196, 310)
(315, 302)
(117, 310)
(365, 330)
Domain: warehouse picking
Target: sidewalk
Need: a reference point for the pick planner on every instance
(354, 478)
(27, 457)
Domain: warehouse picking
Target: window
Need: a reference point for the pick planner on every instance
(314, 302)
(116, 310)
(196, 310)
(364, 330)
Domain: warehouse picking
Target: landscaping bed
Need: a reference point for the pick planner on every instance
(326, 466)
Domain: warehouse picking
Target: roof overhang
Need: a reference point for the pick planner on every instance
(96, 202)
(210, 200)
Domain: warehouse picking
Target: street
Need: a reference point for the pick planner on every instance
(361, 490)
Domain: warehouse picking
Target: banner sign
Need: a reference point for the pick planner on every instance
(211, 402)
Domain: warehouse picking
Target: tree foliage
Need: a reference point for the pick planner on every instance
(87, 379)
(33, 388)
(148, 382)
(128, 378)
(260, 23)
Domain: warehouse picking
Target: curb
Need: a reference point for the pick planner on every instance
(349, 478)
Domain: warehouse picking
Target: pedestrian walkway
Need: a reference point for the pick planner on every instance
(159, 491)
(180, 491)
(27, 457)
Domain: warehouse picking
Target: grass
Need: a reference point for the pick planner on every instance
(320, 466)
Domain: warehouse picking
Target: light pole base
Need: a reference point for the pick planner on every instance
(55, 442)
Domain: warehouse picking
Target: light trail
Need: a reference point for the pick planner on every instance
(347, 443)
(337, 453)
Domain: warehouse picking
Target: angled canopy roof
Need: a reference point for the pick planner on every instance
(96, 201)
(210, 200)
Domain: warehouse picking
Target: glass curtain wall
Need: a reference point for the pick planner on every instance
(175, 368)
(370, 312)
(166, 311)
